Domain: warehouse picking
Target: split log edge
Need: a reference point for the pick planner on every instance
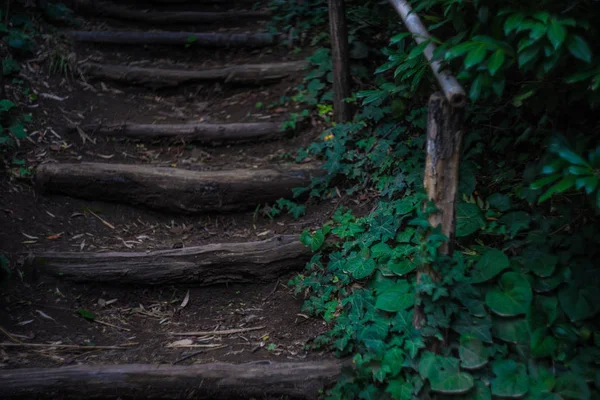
(162, 77)
(173, 189)
(246, 262)
(294, 380)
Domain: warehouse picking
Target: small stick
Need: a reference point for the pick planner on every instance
(8, 335)
(194, 354)
(272, 291)
(225, 332)
(112, 326)
(105, 222)
(193, 346)
(66, 346)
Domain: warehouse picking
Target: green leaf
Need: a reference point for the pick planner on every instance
(489, 265)
(516, 221)
(513, 23)
(469, 219)
(511, 379)
(399, 389)
(413, 346)
(578, 303)
(479, 392)
(579, 48)
(500, 202)
(18, 130)
(479, 328)
(395, 298)
(475, 56)
(359, 266)
(472, 352)
(542, 344)
(528, 55)
(476, 86)
(540, 183)
(459, 50)
(562, 186)
(513, 297)
(86, 314)
(496, 61)
(540, 262)
(317, 240)
(444, 375)
(556, 33)
(572, 387)
(6, 105)
(514, 331)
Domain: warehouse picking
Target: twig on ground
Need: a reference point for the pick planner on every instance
(225, 332)
(8, 335)
(100, 219)
(194, 354)
(67, 346)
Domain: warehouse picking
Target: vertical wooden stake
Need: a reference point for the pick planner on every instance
(340, 61)
(444, 137)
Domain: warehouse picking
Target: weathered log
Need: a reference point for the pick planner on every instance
(246, 262)
(340, 60)
(173, 189)
(159, 77)
(176, 38)
(106, 9)
(263, 379)
(200, 132)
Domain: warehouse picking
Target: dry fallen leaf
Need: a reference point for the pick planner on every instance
(53, 237)
(182, 342)
(43, 314)
(186, 300)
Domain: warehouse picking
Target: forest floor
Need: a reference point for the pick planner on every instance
(136, 321)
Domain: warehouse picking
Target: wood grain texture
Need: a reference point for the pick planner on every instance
(172, 189)
(263, 379)
(340, 61)
(257, 261)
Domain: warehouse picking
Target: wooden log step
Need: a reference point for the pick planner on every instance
(173, 189)
(200, 132)
(165, 17)
(159, 77)
(246, 262)
(176, 38)
(262, 379)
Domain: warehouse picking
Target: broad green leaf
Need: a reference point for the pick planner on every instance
(6, 105)
(528, 55)
(475, 56)
(579, 48)
(380, 250)
(444, 374)
(479, 392)
(562, 186)
(500, 202)
(542, 344)
(395, 298)
(469, 219)
(86, 314)
(18, 130)
(512, 296)
(460, 50)
(513, 23)
(393, 359)
(413, 346)
(516, 221)
(543, 312)
(540, 183)
(472, 352)
(489, 265)
(511, 330)
(476, 86)
(572, 387)
(556, 33)
(590, 183)
(402, 268)
(399, 389)
(579, 303)
(511, 379)
(360, 267)
(496, 61)
(479, 328)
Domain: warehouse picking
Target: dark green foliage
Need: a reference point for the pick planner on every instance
(515, 311)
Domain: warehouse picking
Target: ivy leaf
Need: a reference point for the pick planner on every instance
(413, 346)
(513, 297)
(516, 221)
(444, 374)
(489, 265)
(403, 267)
(469, 219)
(359, 266)
(511, 379)
(479, 328)
(579, 48)
(496, 61)
(556, 33)
(511, 330)
(572, 387)
(399, 389)
(578, 303)
(395, 298)
(472, 352)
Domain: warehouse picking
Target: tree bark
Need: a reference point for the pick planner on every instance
(201, 132)
(176, 38)
(159, 77)
(263, 379)
(340, 61)
(164, 17)
(444, 138)
(172, 189)
(249, 262)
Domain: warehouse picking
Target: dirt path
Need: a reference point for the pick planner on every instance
(50, 322)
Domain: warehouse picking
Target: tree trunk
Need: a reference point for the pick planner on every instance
(444, 137)
(201, 132)
(340, 61)
(172, 189)
(158, 77)
(246, 262)
(176, 38)
(164, 17)
(262, 379)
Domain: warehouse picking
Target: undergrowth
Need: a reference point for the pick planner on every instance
(514, 311)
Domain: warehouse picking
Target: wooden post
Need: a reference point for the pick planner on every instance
(340, 61)
(444, 137)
